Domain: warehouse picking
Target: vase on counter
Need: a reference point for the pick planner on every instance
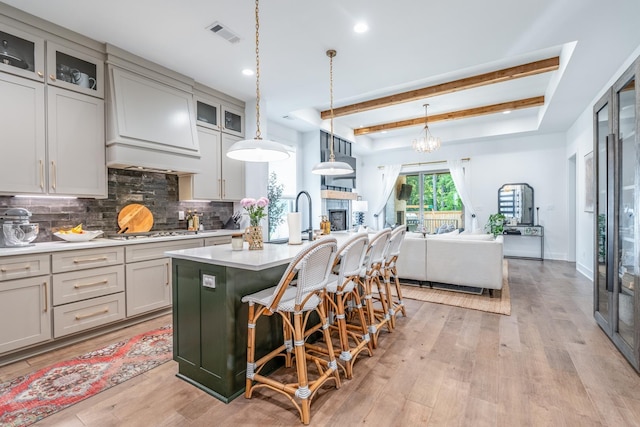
(254, 237)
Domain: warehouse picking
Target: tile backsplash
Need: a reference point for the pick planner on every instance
(156, 191)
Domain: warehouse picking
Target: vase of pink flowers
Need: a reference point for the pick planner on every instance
(256, 211)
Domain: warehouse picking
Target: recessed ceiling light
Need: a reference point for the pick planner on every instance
(361, 27)
(506, 112)
(248, 72)
(384, 131)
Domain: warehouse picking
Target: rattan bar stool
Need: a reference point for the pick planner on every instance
(311, 269)
(343, 294)
(394, 302)
(373, 276)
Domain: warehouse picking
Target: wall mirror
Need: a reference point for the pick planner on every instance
(515, 202)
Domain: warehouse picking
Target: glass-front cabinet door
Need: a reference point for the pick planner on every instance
(617, 229)
(627, 206)
(603, 288)
(74, 70)
(232, 121)
(21, 53)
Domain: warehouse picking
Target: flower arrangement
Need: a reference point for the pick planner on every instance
(255, 209)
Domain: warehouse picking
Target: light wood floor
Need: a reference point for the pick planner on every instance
(548, 364)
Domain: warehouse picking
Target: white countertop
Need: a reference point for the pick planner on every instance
(61, 245)
(272, 255)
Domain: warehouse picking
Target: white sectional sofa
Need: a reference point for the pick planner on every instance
(473, 260)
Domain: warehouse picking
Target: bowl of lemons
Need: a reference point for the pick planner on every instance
(77, 234)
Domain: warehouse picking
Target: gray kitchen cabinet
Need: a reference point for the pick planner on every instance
(52, 132)
(25, 301)
(88, 289)
(23, 53)
(75, 136)
(22, 112)
(74, 70)
(233, 171)
(222, 178)
(148, 274)
(232, 120)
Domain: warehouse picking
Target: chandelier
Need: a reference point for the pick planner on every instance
(426, 143)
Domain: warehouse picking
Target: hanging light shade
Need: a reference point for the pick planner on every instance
(426, 143)
(257, 149)
(331, 167)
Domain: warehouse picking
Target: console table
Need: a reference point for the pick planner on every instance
(536, 231)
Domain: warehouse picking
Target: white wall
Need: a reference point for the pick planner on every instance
(537, 160)
(580, 142)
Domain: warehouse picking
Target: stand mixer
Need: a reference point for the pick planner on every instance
(16, 230)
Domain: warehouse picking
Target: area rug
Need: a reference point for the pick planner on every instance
(481, 302)
(30, 398)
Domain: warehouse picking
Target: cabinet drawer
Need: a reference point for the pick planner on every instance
(149, 251)
(65, 261)
(18, 267)
(78, 316)
(80, 285)
(219, 240)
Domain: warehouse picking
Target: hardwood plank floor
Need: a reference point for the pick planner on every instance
(548, 364)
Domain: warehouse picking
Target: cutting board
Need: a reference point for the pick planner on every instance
(135, 218)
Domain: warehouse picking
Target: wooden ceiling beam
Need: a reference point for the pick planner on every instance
(519, 71)
(454, 115)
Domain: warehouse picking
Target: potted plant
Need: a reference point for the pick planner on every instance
(495, 225)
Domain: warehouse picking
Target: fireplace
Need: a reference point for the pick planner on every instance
(338, 219)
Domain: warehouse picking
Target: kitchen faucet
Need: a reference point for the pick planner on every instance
(310, 214)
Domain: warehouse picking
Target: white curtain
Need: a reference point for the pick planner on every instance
(457, 174)
(389, 176)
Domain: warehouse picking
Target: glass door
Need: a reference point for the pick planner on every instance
(75, 70)
(603, 288)
(627, 227)
(21, 53)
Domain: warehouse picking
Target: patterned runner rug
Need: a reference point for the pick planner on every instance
(481, 302)
(30, 398)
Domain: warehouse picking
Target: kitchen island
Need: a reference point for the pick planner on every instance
(209, 318)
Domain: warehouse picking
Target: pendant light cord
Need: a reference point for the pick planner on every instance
(331, 54)
(258, 134)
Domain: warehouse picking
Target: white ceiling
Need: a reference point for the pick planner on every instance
(410, 44)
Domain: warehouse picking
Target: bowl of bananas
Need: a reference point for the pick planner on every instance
(77, 234)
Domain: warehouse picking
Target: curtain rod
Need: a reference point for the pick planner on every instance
(428, 163)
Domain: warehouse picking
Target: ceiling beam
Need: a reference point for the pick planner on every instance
(454, 115)
(524, 70)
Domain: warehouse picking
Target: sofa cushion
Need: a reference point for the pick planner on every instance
(487, 237)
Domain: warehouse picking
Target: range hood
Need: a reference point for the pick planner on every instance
(150, 116)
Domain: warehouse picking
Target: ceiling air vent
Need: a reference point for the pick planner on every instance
(224, 32)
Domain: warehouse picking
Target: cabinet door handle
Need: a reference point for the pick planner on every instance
(52, 77)
(81, 260)
(40, 74)
(46, 297)
(168, 273)
(84, 285)
(7, 269)
(53, 174)
(224, 188)
(95, 313)
(41, 175)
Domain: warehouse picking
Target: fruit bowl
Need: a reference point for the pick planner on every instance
(85, 236)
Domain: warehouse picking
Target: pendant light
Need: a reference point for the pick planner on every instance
(257, 149)
(331, 167)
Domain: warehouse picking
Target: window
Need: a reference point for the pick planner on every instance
(281, 193)
(433, 203)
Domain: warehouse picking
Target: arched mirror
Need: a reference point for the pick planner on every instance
(515, 202)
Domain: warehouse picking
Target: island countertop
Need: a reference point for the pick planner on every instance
(272, 255)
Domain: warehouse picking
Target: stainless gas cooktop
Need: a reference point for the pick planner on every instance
(149, 234)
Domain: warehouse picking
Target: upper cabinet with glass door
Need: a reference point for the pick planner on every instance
(232, 120)
(70, 69)
(21, 53)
